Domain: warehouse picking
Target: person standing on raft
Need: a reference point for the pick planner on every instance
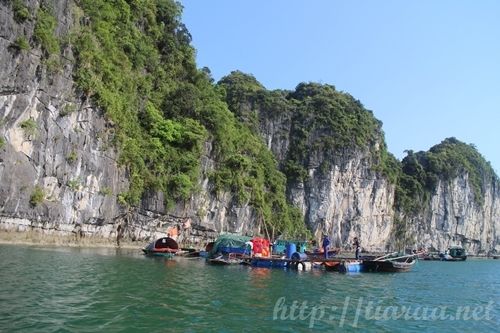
(356, 245)
(326, 244)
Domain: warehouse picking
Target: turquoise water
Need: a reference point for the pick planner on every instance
(111, 290)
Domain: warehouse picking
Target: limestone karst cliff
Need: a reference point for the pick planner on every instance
(81, 155)
(448, 196)
(332, 151)
(115, 134)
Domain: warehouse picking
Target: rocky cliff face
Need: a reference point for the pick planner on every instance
(56, 142)
(59, 170)
(342, 196)
(453, 217)
(347, 200)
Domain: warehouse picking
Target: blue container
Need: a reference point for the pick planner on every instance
(299, 256)
(350, 267)
(291, 248)
(279, 246)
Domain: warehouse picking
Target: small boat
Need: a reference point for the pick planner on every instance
(457, 253)
(164, 247)
(398, 264)
(454, 253)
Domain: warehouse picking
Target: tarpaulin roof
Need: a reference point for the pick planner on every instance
(229, 241)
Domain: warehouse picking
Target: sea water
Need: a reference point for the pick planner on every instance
(47, 289)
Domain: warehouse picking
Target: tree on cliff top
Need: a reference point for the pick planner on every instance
(322, 119)
(445, 161)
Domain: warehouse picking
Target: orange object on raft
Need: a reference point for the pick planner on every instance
(260, 246)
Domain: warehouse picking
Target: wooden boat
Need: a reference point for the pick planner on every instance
(164, 247)
(398, 264)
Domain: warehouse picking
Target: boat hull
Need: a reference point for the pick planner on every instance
(386, 266)
(153, 253)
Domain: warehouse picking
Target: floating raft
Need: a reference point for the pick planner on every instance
(343, 265)
(301, 262)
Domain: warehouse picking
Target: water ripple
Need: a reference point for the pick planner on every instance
(104, 290)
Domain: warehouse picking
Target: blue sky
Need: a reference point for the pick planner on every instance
(428, 69)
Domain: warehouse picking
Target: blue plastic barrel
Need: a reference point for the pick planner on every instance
(299, 256)
(290, 249)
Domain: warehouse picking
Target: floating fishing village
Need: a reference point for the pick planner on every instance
(232, 249)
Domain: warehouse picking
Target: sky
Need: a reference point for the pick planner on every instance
(428, 69)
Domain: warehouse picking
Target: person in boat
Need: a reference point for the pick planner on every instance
(447, 255)
(249, 248)
(356, 245)
(326, 245)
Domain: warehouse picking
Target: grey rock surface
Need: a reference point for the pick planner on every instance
(67, 153)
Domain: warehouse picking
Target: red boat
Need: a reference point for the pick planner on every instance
(166, 247)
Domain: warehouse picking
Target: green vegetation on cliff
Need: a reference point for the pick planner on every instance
(322, 119)
(21, 12)
(45, 31)
(422, 171)
(135, 60)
